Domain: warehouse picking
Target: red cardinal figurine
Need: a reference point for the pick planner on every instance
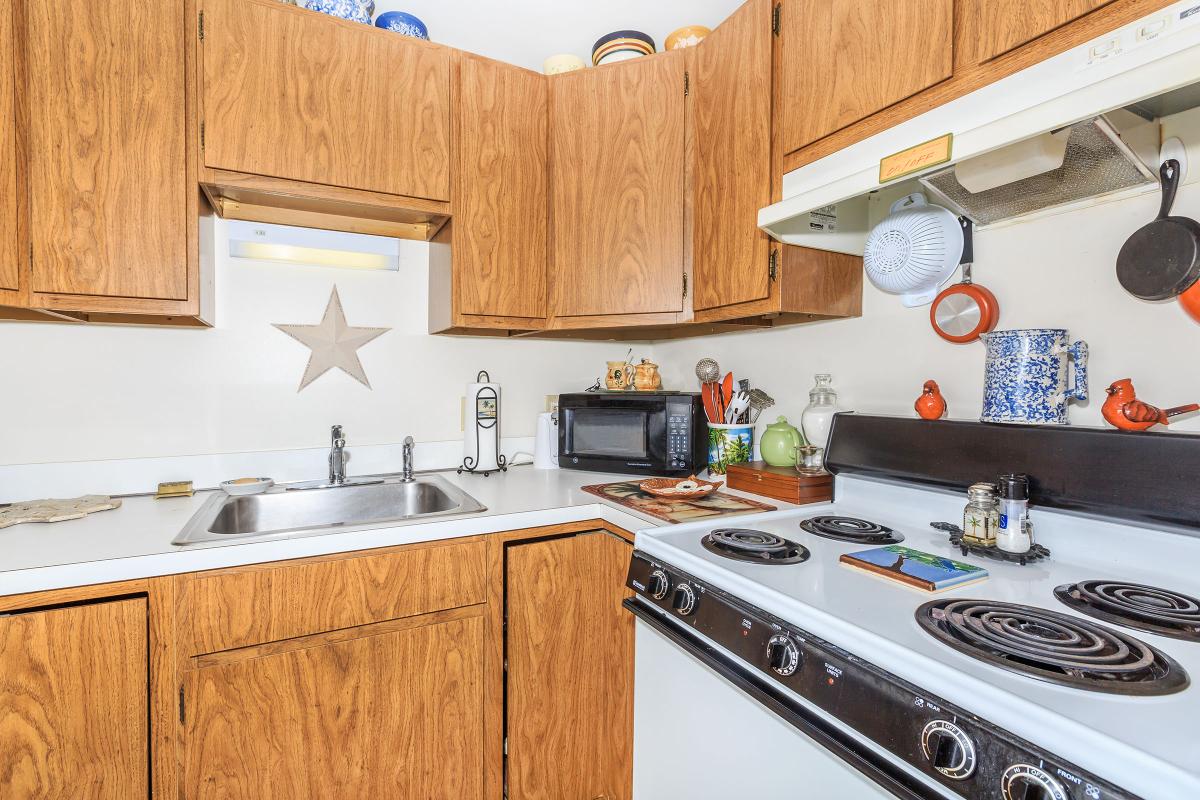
(931, 404)
(1123, 410)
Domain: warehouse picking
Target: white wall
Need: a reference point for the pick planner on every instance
(527, 31)
(1054, 272)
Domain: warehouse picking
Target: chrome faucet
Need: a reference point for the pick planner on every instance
(337, 457)
(407, 476)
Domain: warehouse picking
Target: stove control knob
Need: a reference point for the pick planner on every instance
(783, 655)
(684, 599)
(659, 584)
(1027, 782)
(949, 750)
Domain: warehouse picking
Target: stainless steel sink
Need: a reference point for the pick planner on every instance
(288, 510)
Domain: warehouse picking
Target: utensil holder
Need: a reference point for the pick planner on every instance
(729, 444)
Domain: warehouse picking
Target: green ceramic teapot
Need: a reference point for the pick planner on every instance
(779, 443)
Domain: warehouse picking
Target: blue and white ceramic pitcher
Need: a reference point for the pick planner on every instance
(1026, 376)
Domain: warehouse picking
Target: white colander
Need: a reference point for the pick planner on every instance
(914, 250)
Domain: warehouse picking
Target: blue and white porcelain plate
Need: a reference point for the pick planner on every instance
(402, 23)
(354, 10)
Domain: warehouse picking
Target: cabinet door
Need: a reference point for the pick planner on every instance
(731, 119)
(985, 29)
(108, 188)
(570, 669)
(500, 235)
(617, 187)
(8, 152)
(843, 60)
(295, 94)
(397, 714)
(73, 702)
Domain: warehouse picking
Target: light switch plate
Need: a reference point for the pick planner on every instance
(552, 402)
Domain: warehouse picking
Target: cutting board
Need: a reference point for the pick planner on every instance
(717, 504)
(55, 510)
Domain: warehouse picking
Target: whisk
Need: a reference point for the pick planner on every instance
(759, 400)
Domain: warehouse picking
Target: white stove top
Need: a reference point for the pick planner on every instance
(1147, 745)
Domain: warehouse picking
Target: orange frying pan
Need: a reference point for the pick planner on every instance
(964, 311)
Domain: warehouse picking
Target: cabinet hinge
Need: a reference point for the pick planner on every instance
(31, 255)
(685, 286)
(773, 265)
(201, 135)
(687, 83)
(182, 715)
(775, 12)
(200, 26)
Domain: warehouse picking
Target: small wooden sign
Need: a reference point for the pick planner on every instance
(916, 158)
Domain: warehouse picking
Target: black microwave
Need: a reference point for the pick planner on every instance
(640, 433)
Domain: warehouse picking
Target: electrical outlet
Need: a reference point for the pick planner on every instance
(552, 402)
(462, 413)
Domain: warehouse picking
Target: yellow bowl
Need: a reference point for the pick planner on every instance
(563, 62)
(687, 36)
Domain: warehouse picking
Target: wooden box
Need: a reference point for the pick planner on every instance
(780, 483)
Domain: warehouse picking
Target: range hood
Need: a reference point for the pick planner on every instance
(1076, 127)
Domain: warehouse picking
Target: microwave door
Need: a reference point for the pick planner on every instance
(608, 433)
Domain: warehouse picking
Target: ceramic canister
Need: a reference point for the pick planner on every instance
(1026, 376)
(729, 444)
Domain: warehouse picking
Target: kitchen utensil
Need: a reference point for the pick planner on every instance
(779, 443)
(1161, 259)
(726, 391)
(244, 486)
(759, 400)
(1025, 376)
(1190, 300)
(709, 393)
(676, 489)
(737, 407)
(545, 444)
(965, 310)
(914, 250)
(708, 371)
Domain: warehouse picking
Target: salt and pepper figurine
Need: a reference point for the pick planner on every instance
(1013, 535)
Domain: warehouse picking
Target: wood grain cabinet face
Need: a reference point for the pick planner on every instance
(570, 669)
(843, 60)
(294, 94)
(985, 29)
(500, 218)
(730, 103)
(73, 702)
(8, 152)
(617, 188)
(393, 715)
(108, 189)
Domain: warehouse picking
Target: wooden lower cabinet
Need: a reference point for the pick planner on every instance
(391, 714)
(569, 647)
(74, 699)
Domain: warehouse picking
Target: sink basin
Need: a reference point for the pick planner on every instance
(279, 513)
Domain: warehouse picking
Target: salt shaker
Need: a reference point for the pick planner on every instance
(1013, 535)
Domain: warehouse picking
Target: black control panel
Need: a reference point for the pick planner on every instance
(959, 750)
(680, 450)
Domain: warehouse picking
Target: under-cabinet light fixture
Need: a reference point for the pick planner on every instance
(312, 247)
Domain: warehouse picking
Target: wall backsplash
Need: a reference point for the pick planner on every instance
(76, 392)
(1058, 271)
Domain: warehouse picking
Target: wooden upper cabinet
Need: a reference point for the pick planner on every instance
(843, 60)
(500, 217)
(108, 189)
(74, 702)
(396, 714)
(985, 29)
(617, 188)
(294, 94)
(8, 153)
(570, 669)
(730, 103)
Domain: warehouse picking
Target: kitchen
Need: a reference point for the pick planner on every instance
(208, 390)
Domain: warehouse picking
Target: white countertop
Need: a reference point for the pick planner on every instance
(134, 541)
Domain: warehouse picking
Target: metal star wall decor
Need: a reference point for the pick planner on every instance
(333, 343)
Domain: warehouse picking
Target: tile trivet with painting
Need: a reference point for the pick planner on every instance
(630, 495)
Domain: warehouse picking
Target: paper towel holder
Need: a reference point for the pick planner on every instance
(486, 426)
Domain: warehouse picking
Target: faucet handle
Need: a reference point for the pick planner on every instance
(408, 441)
(335, 432)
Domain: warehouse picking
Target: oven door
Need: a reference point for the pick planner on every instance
(708, 728)
(629, 436)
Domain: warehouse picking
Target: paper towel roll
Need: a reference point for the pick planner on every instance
(481, 439)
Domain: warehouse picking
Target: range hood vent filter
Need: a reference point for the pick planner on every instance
(1095, 162)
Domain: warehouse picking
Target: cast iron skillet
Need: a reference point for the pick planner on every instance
(1161, 259)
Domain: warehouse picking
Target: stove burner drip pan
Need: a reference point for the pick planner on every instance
(1147, 608)
(851, 529)
(1052, 646)
(756, 547)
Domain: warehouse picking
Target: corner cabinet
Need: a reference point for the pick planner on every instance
(617, 136)
(308, 119)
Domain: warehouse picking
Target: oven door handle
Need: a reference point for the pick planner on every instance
(845, 747)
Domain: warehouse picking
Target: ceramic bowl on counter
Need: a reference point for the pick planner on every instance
(621, 45)
(563, 62)
(687, 36)
(402, 23)
(354, 10)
